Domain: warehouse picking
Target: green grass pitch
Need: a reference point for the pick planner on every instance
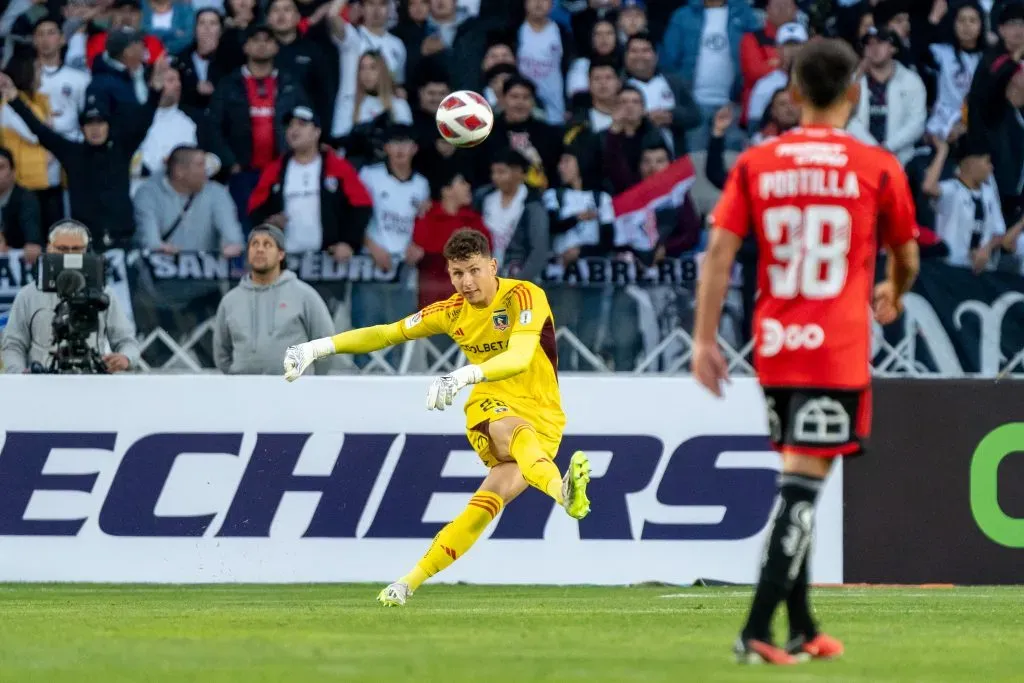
(485, 634)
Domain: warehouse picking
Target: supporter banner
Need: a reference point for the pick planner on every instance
(348, 479)
(940, 498)
(957, 322)
(312, 267)
(684, 270)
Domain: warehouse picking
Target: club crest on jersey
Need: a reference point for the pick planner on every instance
(500, 320)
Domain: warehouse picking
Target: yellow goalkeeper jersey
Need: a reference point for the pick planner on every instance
(500, 334)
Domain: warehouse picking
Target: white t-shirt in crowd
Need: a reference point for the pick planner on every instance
(370, 108)
(761, 94)
(356, 42)
(540, 60)
(569, 202)
(163, 21)
(396, 203)
(956, 220)
(577, 79)
(502, 221)
(599, 121)
(954, 82)
(303, 231)
(170, 128)
(658, 95)
(66, 89)
(713, 77)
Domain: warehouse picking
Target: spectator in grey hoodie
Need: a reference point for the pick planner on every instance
(183, 211)
(267, 312)
(28, 337)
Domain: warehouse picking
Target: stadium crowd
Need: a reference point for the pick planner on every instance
(314, 122)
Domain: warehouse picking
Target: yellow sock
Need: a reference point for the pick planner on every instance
(537, 468)
(456, 538)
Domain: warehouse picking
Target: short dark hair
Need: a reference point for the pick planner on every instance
(179, 156)
(632, 88)
(444, 174)
(823, 71)
(517, 80)
(511, 158)
(640, 35)
(6, 154)
(602, 62)
(466, 243)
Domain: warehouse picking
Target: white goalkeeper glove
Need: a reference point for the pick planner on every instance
(299, 357)
(443, 389)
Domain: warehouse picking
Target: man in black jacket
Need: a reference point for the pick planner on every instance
(247, 115)
(303, 57)
(98, 169)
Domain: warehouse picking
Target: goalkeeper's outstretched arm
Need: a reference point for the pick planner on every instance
(362, 340)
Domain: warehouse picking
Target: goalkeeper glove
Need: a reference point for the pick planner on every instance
(443, 389)
(299, 357)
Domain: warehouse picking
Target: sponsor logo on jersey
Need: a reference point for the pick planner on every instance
(776, 337)
(500, 320)
(414, 320)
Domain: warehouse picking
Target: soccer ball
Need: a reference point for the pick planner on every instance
(464, 118)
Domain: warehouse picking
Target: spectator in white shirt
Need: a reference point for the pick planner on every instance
(604, 45)
(400, 195)
(65, 87)
(968, 215)
(544, 55)
(582, 225)
(171, 128)
(499, 61)
(667, 101)
(604, 84)
(515, 217)
(788, 38)
(375, 95)
(352, 42)
(955, 64)
(893, 107)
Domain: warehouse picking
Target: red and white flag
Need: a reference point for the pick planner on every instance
(635, 225)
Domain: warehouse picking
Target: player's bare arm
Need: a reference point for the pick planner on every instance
(930, 183)
(902, 266)
(709, 366)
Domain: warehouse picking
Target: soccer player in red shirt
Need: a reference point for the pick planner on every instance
(819, 202)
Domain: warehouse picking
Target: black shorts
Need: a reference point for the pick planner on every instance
(823, 423)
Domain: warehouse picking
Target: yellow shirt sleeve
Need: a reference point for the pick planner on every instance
(528, 311)
(430, 321)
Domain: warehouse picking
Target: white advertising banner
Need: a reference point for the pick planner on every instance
(196, 479)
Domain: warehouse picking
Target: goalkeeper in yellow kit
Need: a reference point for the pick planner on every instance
(514, 417)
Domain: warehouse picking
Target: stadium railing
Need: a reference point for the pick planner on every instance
(612, 317)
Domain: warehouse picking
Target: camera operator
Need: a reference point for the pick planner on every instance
(28, 337)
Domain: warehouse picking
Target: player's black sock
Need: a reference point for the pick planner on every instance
(801, 623)
(788, 541)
